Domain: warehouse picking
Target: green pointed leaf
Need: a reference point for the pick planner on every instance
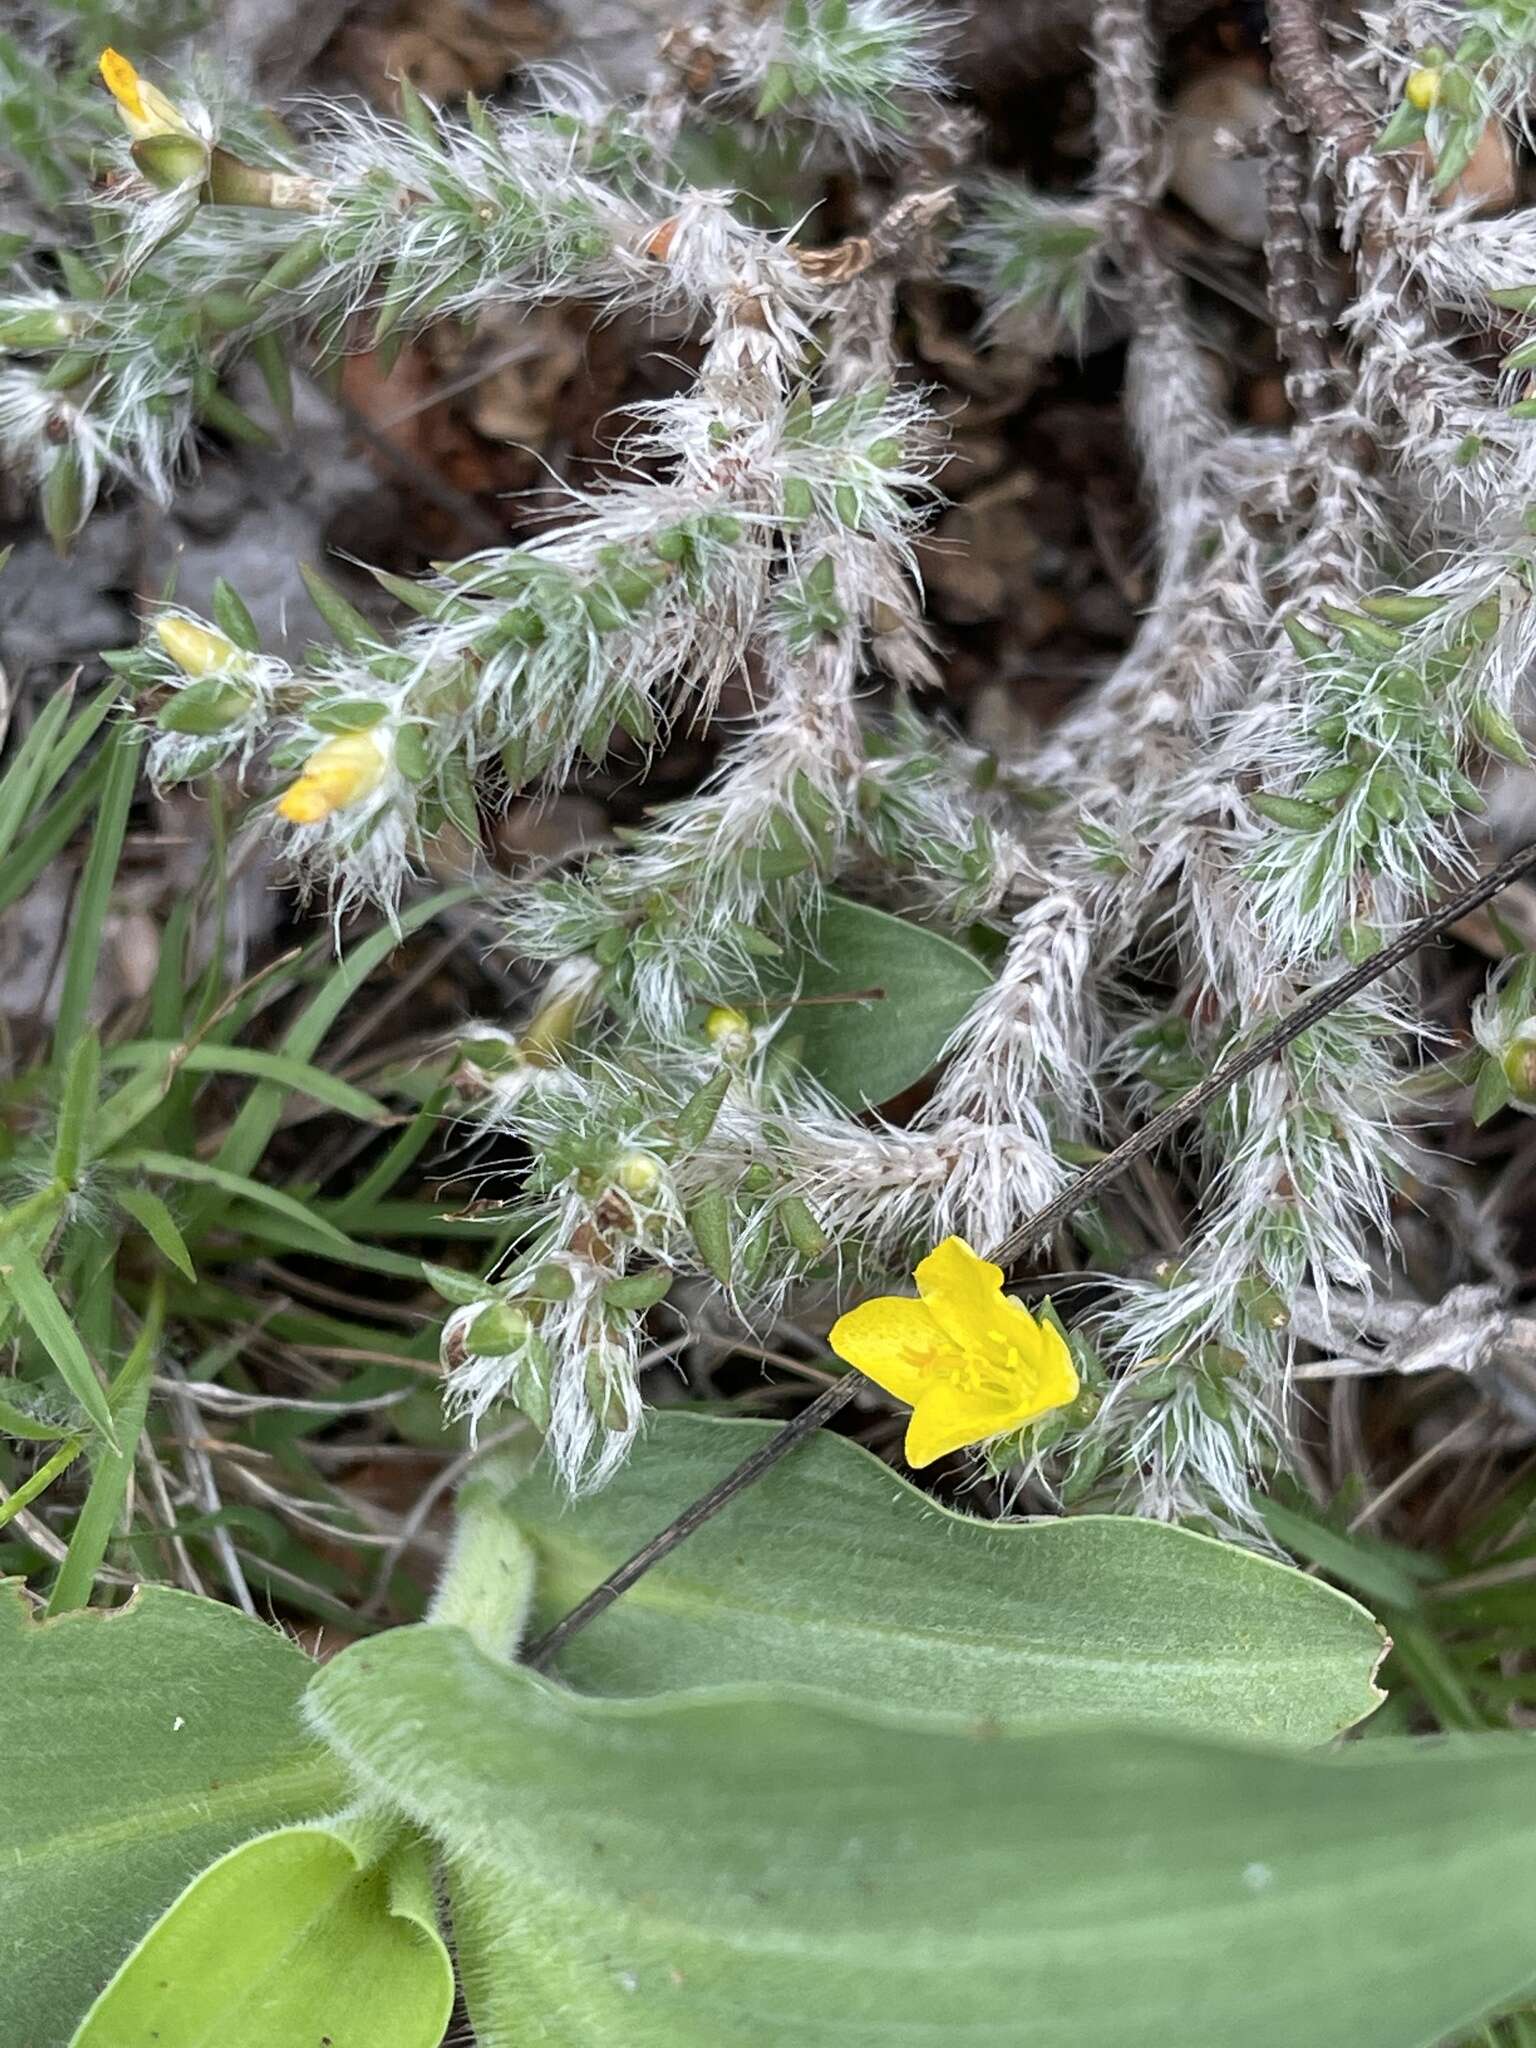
(834, 1572)
(295, 1074)
(201, 1173)
(1491, 1093)
(138, 1744)
(290, 1938)
(352, 630)
(696, 1119)
(233, 618)
(24, 1280)
(884, 996)
(1291, 812)
(158, 1225)
(733, 1870)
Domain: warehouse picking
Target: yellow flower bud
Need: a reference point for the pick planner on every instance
(145, 110)
(728, 1028)
(638, 1174)
(342, 772)
(1423, 88)
(196, 650)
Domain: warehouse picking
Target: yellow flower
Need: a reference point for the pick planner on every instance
(195, 650)
(145, 109)
(1423, 88)
(972, 1361)
(342, 772)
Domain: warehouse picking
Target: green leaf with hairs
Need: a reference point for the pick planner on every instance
(758, 1868)
(139, 1744)
(298, 1937)
(833, 1572)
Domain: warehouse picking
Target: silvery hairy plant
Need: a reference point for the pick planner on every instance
(1280, 770)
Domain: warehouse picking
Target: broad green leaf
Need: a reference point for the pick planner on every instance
(760, 1869)
(834, 1572)
(290, 1938)
(878, 999)
(32, 1291)
(138, 1744)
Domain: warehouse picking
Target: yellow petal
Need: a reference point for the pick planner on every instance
(949, 1415)
(1045, 1377)
(945, 1420)
(966, 1295)
(896, 1343)
(962, 1290)
(195, 650)
(342, 772)
(145, 109)
(123, 83)
(304, 802)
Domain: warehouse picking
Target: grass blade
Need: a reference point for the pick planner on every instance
(91, 899)
(109, 1480)
(158, 1225)
(32, 1291)
(201, 1173)
(296, 1076)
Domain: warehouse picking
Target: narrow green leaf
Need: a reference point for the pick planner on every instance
(128, 1398)
(248, 1134)
(709, 1219)
(696, 1118)
(158, 1225)
(297, 1076)
(1291, 812)
(32, 1291)
(77, 1101)
(52, 832)
(233, 619)
(38, 1484)
(19, 1422)
(89, 911)
(352, 630)
(23, 781)
(201, 1173)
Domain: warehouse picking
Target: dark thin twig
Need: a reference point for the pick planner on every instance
(1072, 1197)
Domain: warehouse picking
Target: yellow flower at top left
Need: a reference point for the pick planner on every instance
(145, 110)
(973, 1362)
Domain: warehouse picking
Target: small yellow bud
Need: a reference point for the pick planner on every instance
(196, 650)
(1423, 88)
(728, 1028)
(145, 109)
(1519, 1065)
(341, 773)
(637, 1173)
